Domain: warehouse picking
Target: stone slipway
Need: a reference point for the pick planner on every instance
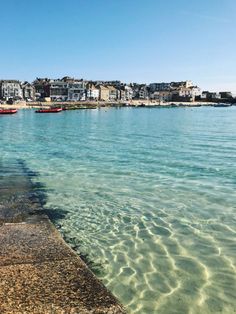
(40, 273)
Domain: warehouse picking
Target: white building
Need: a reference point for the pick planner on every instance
(190, 92)
(92, 93)
(128, 92)
(10, 89)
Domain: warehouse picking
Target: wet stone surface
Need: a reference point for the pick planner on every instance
(39, 272)
(23, 243)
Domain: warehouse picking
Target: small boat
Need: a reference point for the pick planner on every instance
(8, 111)
(222, 105)
(51, 110)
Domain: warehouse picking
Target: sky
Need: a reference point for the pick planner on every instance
(128, 40)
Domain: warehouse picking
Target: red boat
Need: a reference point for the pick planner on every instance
(8, 111)
(48, 110)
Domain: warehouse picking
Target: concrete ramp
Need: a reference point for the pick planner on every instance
(39, 272)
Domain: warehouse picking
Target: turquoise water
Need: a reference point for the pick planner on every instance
(148, 195)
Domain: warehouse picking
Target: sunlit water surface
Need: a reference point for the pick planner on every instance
(148, 195)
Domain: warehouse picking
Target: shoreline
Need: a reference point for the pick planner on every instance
(100, 104)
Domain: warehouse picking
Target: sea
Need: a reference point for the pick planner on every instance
(146, 196)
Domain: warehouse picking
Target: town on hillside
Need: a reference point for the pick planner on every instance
(69, 89)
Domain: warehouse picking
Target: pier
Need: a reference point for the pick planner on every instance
(39, 272)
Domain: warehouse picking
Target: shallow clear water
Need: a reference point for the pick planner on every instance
(147, 194)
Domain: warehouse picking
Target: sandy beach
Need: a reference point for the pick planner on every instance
(94, 104)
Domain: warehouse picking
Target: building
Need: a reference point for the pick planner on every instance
(135, 89)
(163, 95)
(209, 96)
(10, 89)
(113, 93)
(116, 84)
(92, 92)
(28, 91)
(65, 89)
(123, 93)
(154, 87)
(42, 88)
(182, 84)
(58, 90)
(226, 95)
(128, 92)
(143, 92)
(77, 90)
(175, 91)
(189, 92)
(103, 93)
(140, 91)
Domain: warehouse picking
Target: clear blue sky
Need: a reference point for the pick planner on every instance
(129, 40)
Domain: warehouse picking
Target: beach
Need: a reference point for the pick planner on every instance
(98, 104)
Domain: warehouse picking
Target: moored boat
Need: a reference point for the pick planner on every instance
(222, 105)
(51, 110)
(8, 111)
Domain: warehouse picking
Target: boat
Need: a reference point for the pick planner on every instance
(51, 110)
(222, 105)
(8, 111)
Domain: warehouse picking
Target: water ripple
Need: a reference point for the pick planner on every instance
(148, 196)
